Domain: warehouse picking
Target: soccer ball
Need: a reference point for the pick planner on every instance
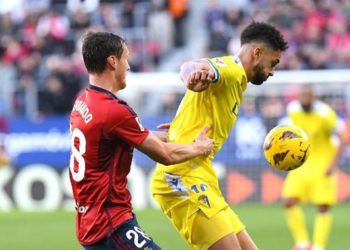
(286, 147)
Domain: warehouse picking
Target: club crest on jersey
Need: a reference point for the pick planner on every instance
(204, 200)
(220, 62)
(176, 184)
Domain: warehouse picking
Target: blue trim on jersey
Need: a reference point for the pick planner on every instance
(217, 74)
(236, 60)
(93, 87)
(110, 94)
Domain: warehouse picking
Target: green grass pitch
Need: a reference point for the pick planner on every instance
(266, 225)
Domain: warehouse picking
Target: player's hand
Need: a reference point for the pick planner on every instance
(163, 135)
(204, 143)
(199, 80)
(165, 126)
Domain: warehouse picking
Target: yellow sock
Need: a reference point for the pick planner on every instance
(296, 223)
(322, 227)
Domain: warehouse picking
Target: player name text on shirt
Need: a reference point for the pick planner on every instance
(82, 108)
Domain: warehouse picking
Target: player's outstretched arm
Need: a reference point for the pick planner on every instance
(172, 153)
(197, 75)
(342, 136)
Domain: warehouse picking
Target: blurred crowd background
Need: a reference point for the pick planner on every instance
(41, 72)
(41, 68)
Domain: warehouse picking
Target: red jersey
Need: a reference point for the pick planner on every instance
(104, 131)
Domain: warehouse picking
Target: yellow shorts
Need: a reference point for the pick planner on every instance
(318, 189)
(196, 208)
(206, 231)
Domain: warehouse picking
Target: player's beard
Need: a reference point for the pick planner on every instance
(259, 76)
(306, 107)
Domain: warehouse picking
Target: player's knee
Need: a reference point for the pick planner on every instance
(290, 202)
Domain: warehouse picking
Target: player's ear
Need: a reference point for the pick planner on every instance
(257, 52)
(112, 61)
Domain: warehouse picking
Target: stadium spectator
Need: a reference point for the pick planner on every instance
(80, 20)
(54, 27)
(104, 131)
(53, 98)
(315, 180)
(214, 13)
(218, 39)
(271, 110)
(106, 17)
(188, 193)
(179, 10)
(86, 6)
(161, 29)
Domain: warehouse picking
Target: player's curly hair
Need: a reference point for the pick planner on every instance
(98, 46)
(263, 32)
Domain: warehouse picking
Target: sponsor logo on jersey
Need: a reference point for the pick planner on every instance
(81, 209)
(176, 184)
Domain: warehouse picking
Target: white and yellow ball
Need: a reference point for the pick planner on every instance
(286, 147)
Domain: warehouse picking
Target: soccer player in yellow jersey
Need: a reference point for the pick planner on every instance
(189, 193)
(315, 180)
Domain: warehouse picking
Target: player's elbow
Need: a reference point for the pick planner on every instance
(184, 74)
(168, 156)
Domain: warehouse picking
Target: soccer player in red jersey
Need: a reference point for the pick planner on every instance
(104, 131)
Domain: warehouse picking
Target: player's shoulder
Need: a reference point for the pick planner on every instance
(293, 107)
(319, 107)
(225, 61)
(118, 109)
(110, 102)
(227, 66)
(323, 109)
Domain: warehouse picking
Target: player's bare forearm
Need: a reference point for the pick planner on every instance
(178, 153)
(172, 153)
(197, 75)
(339, 151)
(186, 69)
(161, 135)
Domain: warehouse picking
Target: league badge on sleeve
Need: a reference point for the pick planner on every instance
(220, 62)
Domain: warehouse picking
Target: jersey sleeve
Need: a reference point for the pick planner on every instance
(222, 68)
(225, 70)
(330, 116)
(125, 124)
(332, 120)
(335, 123)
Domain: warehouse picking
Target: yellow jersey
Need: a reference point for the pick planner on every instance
(319, 125)
(217, 106)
